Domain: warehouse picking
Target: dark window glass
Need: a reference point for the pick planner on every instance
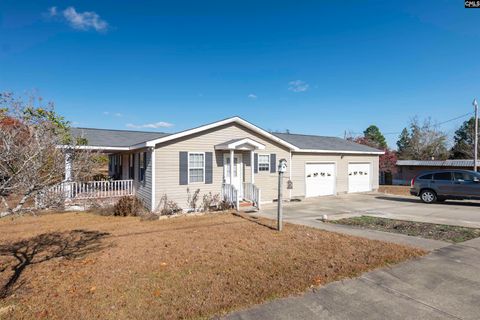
(463, 176)
(442, 176)
(426, 177)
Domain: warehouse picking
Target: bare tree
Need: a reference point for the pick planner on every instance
(424, 141)
(34, 144)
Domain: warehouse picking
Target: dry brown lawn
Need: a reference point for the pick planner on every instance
(85, 266)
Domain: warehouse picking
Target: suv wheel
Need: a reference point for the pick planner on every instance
(428, 196)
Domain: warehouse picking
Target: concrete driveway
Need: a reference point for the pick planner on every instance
(462, 213)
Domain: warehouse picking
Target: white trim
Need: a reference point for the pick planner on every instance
(152, 159)
(370, 178)
(188, 168)
(238, 120)
(96, 148)
(252, 164)
(338, 151)
(234, 145)
(258, 163)
(320, 162)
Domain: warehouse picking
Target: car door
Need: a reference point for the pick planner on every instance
(442, 183)
(465, 184)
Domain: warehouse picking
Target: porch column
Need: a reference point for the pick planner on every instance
(231, 166)
(68, 175)
(68, 165)
(252, 164)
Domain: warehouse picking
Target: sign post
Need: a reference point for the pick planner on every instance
(475, 143)
(282, 168)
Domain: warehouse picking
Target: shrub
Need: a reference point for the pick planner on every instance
(192, 199)
(128, 206)
(167, 207)
(210, 201)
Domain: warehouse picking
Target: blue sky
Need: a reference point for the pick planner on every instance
(317, 67)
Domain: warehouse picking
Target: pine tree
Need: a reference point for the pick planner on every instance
(464, 141)
(403, 144)
(373, 134)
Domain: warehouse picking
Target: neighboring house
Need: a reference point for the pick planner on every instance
(408, 169)
(233, 154)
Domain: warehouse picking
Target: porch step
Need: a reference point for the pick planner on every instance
(246, 204)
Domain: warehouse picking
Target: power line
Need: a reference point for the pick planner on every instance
(438, 124)
(456, 118)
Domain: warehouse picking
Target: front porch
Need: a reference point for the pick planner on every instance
(238, 185)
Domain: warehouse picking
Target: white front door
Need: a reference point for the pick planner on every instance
(319, 179)
(359, 177)
(237, 172)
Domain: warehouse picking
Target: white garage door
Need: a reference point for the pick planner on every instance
(359, 177)
(320, 179)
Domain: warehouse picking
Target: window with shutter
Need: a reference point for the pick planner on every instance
(263, 162)
(196, 167)
(143, 164)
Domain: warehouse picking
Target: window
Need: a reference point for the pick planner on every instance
(196, 167)
(426, 177)
(142, 165)
(263, 162)
(131, 167)
(442, 176)
(120, 166)
(463, 176)
(227, 166)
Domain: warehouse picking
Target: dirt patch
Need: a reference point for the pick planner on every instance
(396, 190)
(89, 266)
(425, 230)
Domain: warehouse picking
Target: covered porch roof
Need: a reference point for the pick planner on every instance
(240, 144)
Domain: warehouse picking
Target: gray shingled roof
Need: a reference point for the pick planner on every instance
(323, 143)
(126, 138)
(436, 163)
(115, 138)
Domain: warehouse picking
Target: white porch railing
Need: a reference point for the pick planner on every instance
(92, 189)
(230, 195)
(252, 193)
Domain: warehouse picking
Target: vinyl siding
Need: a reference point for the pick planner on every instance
(167, 163)
(300, 159)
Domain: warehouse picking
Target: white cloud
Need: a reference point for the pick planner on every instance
(155, 125)
(298, 86)
(116, 114)
(52, 12)
(252, 96)
(84, 21)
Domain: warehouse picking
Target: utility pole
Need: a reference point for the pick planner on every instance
(475, 104)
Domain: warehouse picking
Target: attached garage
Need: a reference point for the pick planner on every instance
(359, 177)
(320, 179)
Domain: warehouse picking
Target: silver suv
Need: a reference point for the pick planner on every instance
(439, 186)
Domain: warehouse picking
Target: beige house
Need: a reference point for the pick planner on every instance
(235, 159)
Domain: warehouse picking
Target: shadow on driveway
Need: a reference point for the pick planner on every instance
(415, 200)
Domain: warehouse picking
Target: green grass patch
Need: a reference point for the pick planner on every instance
(442, 232)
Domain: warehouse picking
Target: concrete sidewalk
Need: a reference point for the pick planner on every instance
(445, 284)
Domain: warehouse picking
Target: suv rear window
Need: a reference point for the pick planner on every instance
(442, 176)
(426, 177)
